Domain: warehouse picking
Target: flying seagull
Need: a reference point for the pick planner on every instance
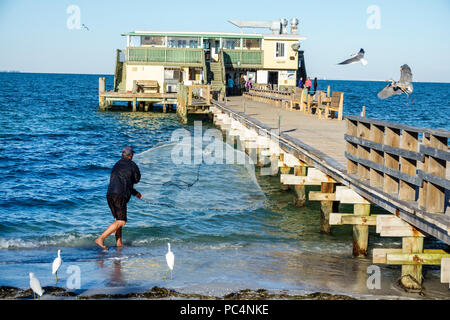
(356, 58)
(84, 26)
(402, 86)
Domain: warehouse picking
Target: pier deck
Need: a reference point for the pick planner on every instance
(324, 136)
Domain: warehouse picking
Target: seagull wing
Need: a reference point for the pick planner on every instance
(389, 91)
(355, 59)
(406, 74)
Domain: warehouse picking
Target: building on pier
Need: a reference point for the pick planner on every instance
(168, 58)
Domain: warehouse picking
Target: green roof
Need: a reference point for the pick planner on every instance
(194, 35)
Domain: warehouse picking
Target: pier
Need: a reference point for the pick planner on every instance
(355, 160)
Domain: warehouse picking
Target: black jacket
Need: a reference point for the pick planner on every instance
(124, 175)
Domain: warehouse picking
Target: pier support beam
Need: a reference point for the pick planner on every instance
(284, 170)
(134, 105)
(327, 207)
(101, 89)
(360, 232)
(299, 190)
(412, 274)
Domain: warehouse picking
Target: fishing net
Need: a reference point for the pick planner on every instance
(193, 177)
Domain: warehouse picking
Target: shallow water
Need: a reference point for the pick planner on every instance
(232, 229)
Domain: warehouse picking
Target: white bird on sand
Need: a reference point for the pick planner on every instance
(170, 259)
(35, 285)
(356, 58)
(56, 264)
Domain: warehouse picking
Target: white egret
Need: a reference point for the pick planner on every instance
(170, 259)
(35, 285)
(56, 264)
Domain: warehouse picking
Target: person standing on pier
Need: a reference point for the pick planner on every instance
(230, 86)
(241, 84)
(124, 175)
(315, 84)
(308, 84)
(300, 82)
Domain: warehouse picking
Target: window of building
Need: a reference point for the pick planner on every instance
(252, 44)
(152, 41)
(279, 50)
(232, 44)
(193, 43)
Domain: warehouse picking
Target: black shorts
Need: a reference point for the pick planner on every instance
(118, 205)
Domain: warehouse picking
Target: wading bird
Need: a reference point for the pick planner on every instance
(35, 285)
(56, 264)
(356, 58)
(402, 86)
(170, 259)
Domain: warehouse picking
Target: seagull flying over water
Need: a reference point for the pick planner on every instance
(84, 26)
(35, 285)
(170, 259)
(56, 264)
(356, 58)
(399, 87)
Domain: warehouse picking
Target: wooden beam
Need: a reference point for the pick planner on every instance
(379, 255)
(326, 207)
(314, 178)
(299, 190)
(360, 232)
(445, 270)
(347, 195)
(392, 226)
(340, 219)
(415, 258)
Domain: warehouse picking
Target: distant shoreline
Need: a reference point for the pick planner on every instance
(110, 74)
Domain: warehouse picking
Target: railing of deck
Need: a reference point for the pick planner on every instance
(165, 55)
(390, 156)
(241, 58)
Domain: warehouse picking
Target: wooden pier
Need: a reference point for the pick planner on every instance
(358, 161)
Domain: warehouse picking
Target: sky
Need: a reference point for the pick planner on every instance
(35, 35)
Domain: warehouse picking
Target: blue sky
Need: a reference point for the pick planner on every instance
(35, 37)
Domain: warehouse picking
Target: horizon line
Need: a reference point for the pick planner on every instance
(111, 74)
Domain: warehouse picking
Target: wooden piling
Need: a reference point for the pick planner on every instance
(327, 207)
(300, 193)
(284, 170)
(412, 274)
(360, 232)
(101, 89)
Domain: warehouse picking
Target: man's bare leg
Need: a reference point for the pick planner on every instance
(119, 237)
(112, 228)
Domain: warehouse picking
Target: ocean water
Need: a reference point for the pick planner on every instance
(231, 229)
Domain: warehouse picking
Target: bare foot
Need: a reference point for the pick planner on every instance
(99, 242)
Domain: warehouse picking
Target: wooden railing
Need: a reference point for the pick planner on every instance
(391, 157)
(165, 55)
(199, 92)
(239, 58)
